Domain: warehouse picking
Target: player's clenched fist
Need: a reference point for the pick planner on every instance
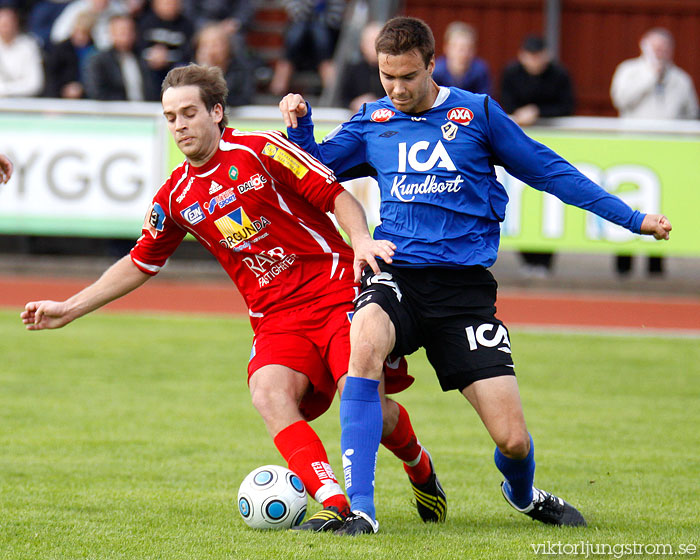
(292, 106)
(657, 225)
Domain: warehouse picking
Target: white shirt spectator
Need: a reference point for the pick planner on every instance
(21, 71)
(638, 93)
(103, 9)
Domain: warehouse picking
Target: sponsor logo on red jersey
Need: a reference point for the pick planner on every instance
(256, 182)
(193, 214)
(382, 115)
(460, 115)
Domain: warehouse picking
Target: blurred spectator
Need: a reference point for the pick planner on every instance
(535, 86)
(21, 70)
(42, 17)
(459, 66)
(532, 87)
(360, 82)
(165, 36)
(214, 47)
(119, 73)
(652, 87)
(309, 41)
(65, 62)
(235, 15)
(103, 11)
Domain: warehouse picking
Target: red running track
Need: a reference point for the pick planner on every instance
(515, 308)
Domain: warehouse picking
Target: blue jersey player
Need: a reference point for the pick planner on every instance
(434, 151)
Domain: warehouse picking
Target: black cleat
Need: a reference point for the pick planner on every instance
(548, 508)
(327, 519)
(431, 500)
(358, 523)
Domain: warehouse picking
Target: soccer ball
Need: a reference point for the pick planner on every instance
(272, 497)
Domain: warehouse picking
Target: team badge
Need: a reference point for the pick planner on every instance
(460, 115)
(233, 173)
(449, 130)
(382, 115)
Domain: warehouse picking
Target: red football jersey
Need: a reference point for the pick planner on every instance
(259, 206)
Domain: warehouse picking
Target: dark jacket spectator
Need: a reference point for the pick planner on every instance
(165, 35)
(534, 86)
(119, 73)
(214, 46)
(66, 62)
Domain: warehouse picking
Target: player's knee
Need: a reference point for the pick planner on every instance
(268, 402)
(515, 445)
(366, 359)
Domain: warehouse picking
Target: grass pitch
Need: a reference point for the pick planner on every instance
(126, 436)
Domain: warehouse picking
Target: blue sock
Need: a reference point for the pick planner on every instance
(519, 475)
(361, 432)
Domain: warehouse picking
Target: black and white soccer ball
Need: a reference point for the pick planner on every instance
(272, 497)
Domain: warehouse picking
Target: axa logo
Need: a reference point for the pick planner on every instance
(460, 115)
(483, 335)
(420, 157)
(382, 115)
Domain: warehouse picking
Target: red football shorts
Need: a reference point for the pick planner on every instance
(314, 340)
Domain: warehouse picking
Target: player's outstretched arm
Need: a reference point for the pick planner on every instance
(292, 107)
(5, 169)
(656, 225)
(118, 280)
(352, 219)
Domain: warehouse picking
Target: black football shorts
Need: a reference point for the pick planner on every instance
(448, 311)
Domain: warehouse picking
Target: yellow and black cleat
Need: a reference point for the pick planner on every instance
(328, 519)
(431, 500)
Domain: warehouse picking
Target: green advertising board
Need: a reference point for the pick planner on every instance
(653, 173)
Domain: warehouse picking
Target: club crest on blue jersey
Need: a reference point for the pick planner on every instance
(449, 131)
(193, 213)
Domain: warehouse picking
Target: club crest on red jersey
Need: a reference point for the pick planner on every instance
(382, 115)
(460, 115)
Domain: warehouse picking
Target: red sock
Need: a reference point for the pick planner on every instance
(306, 456)
(403, 443)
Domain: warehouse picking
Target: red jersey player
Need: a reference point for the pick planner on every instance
(258, 203)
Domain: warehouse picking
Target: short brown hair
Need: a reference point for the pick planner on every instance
(210, 81)
(403, 34)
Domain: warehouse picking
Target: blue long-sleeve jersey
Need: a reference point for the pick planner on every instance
(440, 201)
